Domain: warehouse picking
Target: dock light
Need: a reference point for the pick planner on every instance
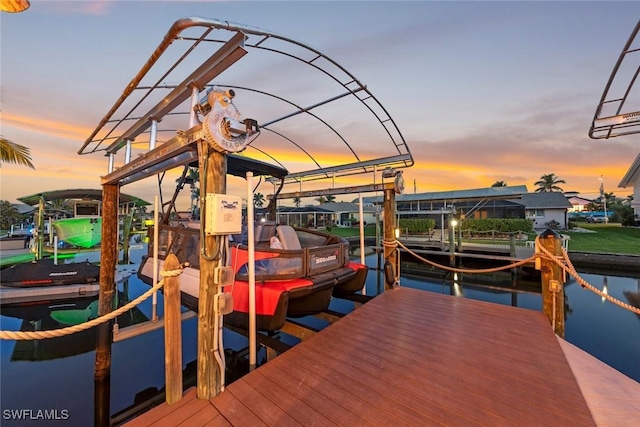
(14, 6)
(454, 222)
(397, 233)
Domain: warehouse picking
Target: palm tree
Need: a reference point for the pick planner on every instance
(258, 200)
(297, 201)
(330, 198)
(321, 199)
(499, 184)
(10, 152)
(549, 183)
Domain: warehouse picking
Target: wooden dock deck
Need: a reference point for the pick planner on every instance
(411, 357)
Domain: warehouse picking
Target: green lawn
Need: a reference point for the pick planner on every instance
(608, 238)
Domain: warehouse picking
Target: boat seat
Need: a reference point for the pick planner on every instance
(288, 237)
(264, 232)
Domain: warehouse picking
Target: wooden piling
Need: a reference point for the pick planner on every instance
(108, 262)
(172, 332)
(390, 254)
(552, 300)
(213, 173)
(452, 240)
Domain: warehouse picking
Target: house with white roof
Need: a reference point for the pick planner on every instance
(632, 179)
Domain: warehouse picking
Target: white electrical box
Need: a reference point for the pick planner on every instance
(223, 214)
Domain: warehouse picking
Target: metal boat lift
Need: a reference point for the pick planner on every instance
(293, 138)
(618, 112)
(150, 108)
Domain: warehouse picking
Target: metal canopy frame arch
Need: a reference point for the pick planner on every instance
(618, 115)
(112, 133)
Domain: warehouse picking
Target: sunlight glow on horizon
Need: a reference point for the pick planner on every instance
(517, 116)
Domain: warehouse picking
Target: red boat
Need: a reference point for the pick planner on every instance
(295, 280)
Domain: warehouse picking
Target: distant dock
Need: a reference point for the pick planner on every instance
(420, 358)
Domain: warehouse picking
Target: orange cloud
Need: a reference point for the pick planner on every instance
(47, 127)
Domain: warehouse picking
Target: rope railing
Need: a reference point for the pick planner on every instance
(56, 333)
(468, 270)
(567, 266)
(541, 252)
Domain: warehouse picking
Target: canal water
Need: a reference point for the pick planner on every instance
(56, 375)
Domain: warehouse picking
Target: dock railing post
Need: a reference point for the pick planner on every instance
(512, 252)
(172, 332)
(552, 282)
(390, 253)
(452, 239)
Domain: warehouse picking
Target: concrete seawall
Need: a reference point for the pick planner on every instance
(612, 262)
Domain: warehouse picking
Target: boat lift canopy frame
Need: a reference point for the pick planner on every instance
(618, 112)
(111, 135)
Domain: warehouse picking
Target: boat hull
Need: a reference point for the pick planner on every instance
(81, 232)
(288, 282)
(44, 272)
(275, 300)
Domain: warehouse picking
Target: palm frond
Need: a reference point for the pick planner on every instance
(10, 152)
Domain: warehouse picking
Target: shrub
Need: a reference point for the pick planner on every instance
(504, 225)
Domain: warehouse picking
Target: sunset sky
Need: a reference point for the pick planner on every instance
(482, 91)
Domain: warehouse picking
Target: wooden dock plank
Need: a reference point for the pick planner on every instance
(279, 396)
(263, 407)
(614, 398)
(323, 404)
(236, 412)
(161, 411)
(207, 415)
(313, 377)
(414, 358)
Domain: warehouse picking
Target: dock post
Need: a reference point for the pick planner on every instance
(172, 332)
(552, 283)
(108, 262)
(512, 252)
(213, 173)
(390, 254)
(40, 228)
(452, 240)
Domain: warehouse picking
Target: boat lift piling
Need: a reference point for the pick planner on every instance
(213, 168)
(552, 282)
(108, 262)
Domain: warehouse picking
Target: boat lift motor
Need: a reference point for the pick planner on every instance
(223, 129)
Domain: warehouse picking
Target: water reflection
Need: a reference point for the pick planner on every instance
(29, 374)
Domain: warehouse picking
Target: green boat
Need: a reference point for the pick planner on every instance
(84, 232)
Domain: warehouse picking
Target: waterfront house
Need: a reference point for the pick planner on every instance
(632, 179)
(545, 208)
